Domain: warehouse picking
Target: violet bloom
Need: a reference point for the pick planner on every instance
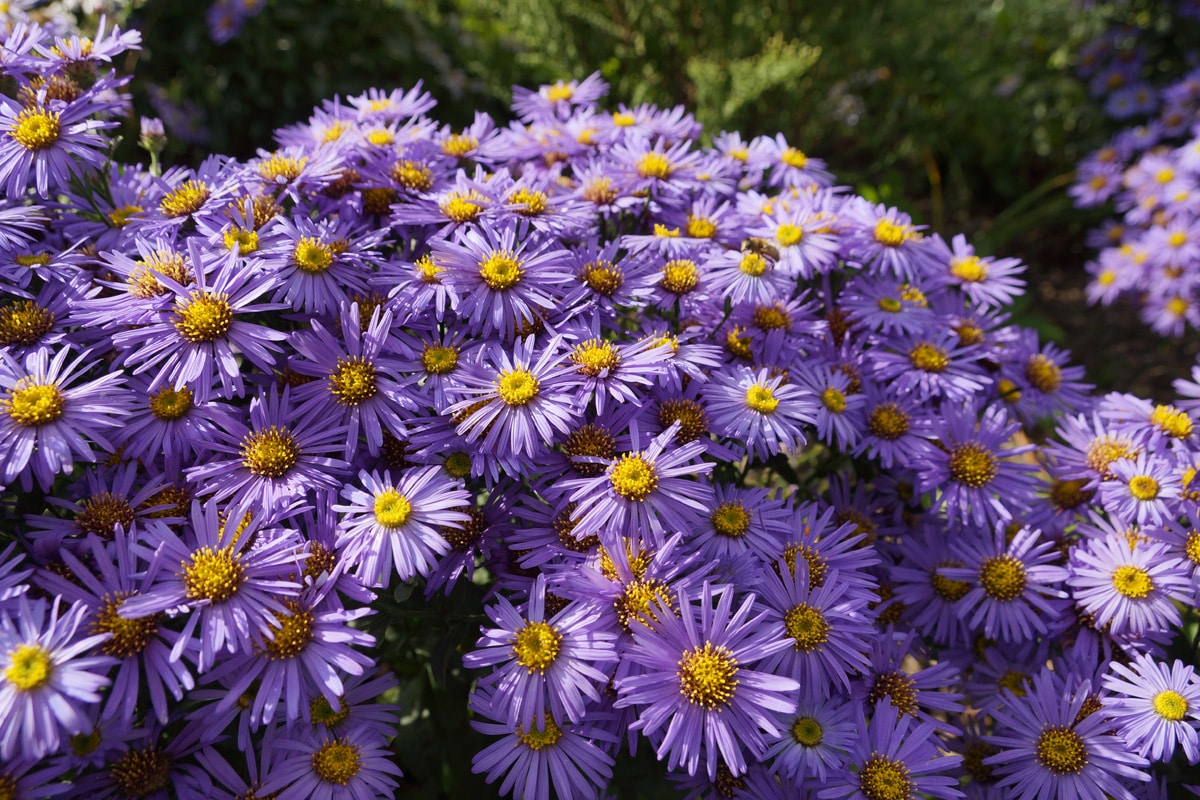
(1156, 708)
(695, 684)
(51, 139)
(544, 668)
(356, 765)
(45, 679)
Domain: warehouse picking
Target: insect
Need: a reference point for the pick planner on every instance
(762, 247)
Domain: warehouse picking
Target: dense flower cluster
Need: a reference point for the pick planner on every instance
(742, 455)
(1150, 175)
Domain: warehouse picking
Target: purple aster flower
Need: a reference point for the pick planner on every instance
(278, 458)
(1156, 707)
(988, 281)
(930, 598)
(544, 668)
(52, 139)
(644, 493)
(932, 365)
(169, 423)
(1133, 585)
(506, 276)
(228, 583)
(880, 304)
(570, 759)
(886, 238)
(742, 522)
(766, 413)
(1050, 749)
(46, 679)
(317, 266)
(974, 476)
(47, 424)
(195, 341)
(394, 524)
(897, 424)
(817, 742)
(356, 765)
(307, 650)
(902, 673)
(801, 236)
(604, 369)
(747, 276)
(1013, 580)
(1144, 491)
(895, 759)
(694, 679)
(149, 764)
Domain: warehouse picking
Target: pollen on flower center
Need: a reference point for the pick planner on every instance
(537, 646)
(700, 228)
(171, 404)
(794, 157)
(439, 359)
(1132, 582)
(312, 256)
(595, 356)
(731, 519)
(1104, 450)
(888, 422)
(1143, 487)
(1061, 750)
(633, 477)
(753, 264)
(771, 318)
(245, 239)
(1043, 373)
(834, 400)
(101, 513)
(807, 626)
(788, 234)
(281, 166)
(30, 667)
(807, 731)
(270, 453)
(517, 387)
(35, 129)
(761, 398)
(692, 419)
(213, 575)
(1171, 705)
(602, 277)
(129, 636)
(187, 198)
(203, 317)
(290, 633)
(882, 778)
(817, 566)
(392, 509)
(1002, 577)
(1171, 421)
(143, 279)
(501, 270)
(24, 323)
(707, 676)
(529, 202)
(353, 381)
(889, 234)
(654, 165)
(640, 600)
(947, 588)
(461, 208)
(590, 439)
(31, 404)
(900, 690)
(336, 762)
(928, 357)
(322, 713)
(535, 740)
(412, 175)
(973, 465)
(970, 269)
(142, 773)
(680, 276)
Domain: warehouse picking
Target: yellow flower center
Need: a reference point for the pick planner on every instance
(946, 588)
(529, 202)
(973, 465)
(1043, 374)
(142, 773)
(700, 228)
(807, 731)
(187, 198)
(143, 279)
(753, 264)
(595, 356)
(707, 676)
(1171, 705)
(203, 317)
(336, 762)
(1002, 577)
(312, 256)
(928, 357)
(1104, 450)
(501, 270)
(280, 166)
(461, 208)
(439, 359)
(1132, 582)
(353, 381)
(517, 387)
(412, 175)
(537, 646)
(807, 626)
(171, 404)
(602, 277)
(24, 323)
(692, 419)
(590, 439)
(1061, 750)
(794, 157)
(102, 513)
(834, 400)
(392, 509)
(30, 667)
(535, 740)
(640, 600)
(213, 575)
(761, 398)
(888, 422)
(270, 453)
(129, 636)
(30, 404)
(654, 165)
(321, 713)
(882, 778)
(1171, 421)
(290, 633)
(970, 269)
(633, 477)
(1143, 487)
(771, 318)
(245, 239)
(899, 688)
(35, 129)
(460, 145)
(680, 276)
(889, 234)
(788, 234)
(731, 520)
(600, 191)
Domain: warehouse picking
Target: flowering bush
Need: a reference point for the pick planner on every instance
(754, 472)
